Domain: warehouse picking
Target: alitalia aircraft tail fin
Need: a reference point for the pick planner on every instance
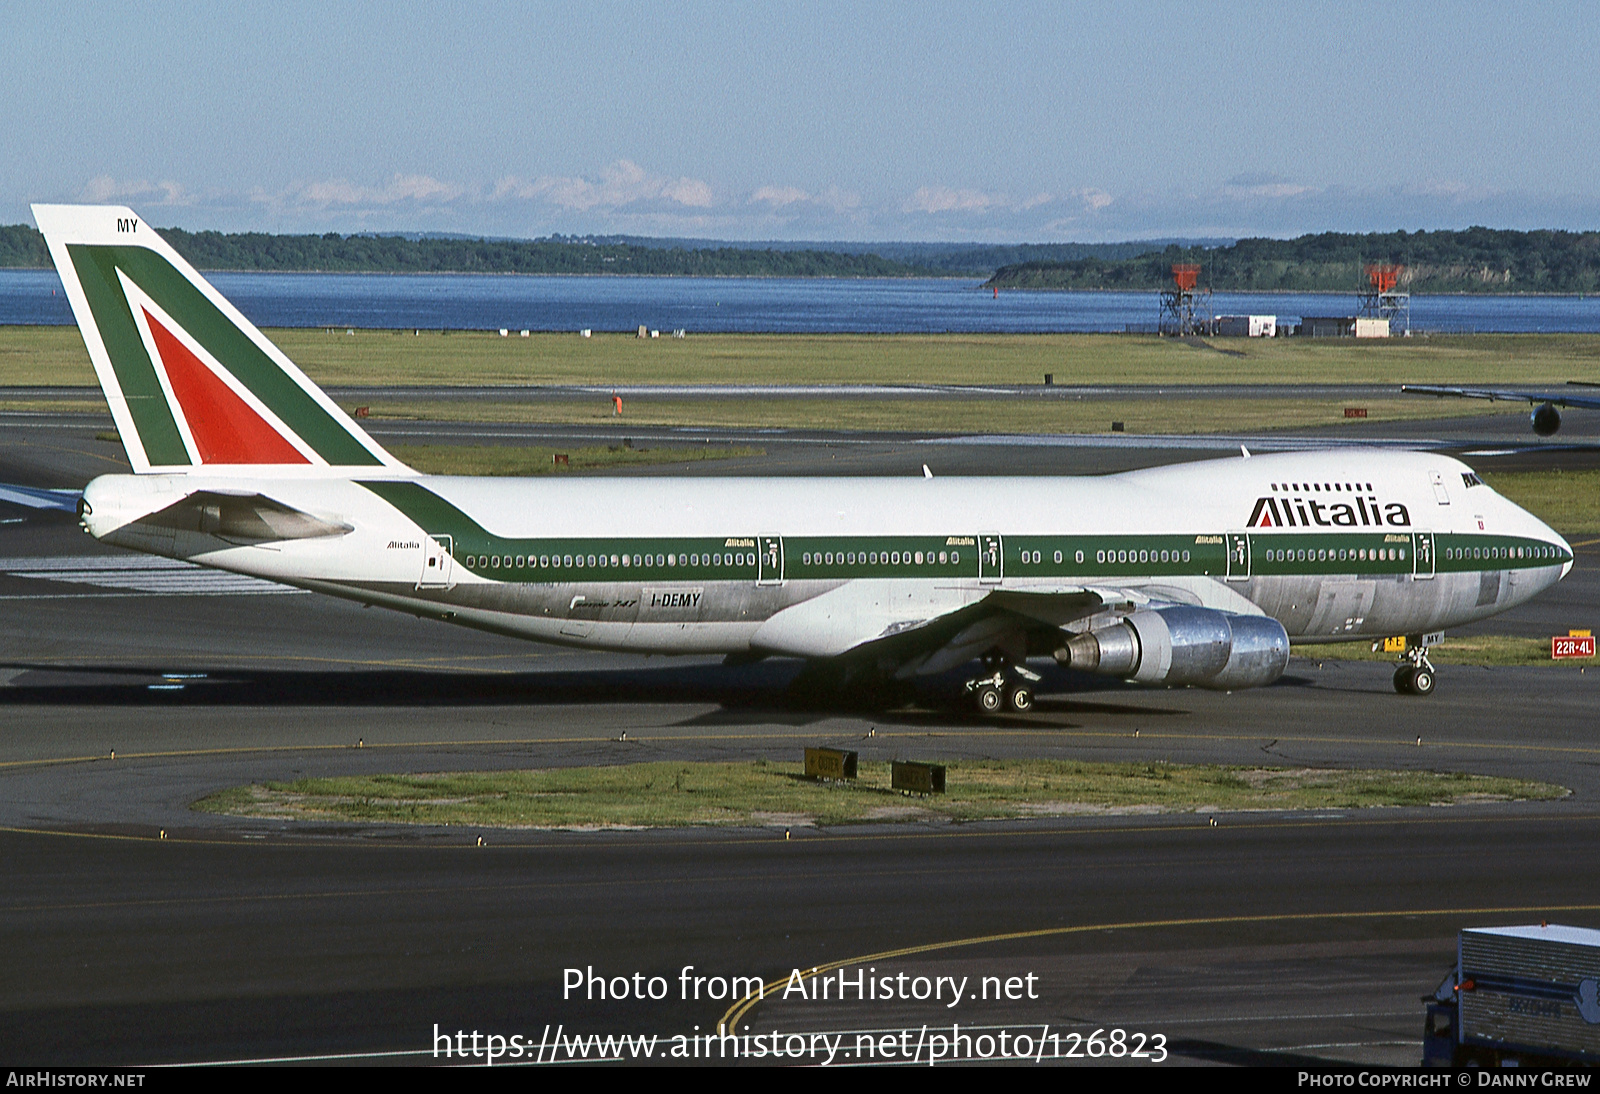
(191, 382)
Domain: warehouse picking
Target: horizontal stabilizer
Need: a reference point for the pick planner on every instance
(243, 518)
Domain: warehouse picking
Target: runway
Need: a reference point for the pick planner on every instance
(1267, 938)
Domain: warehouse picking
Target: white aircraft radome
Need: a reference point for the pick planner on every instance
(1199, 574)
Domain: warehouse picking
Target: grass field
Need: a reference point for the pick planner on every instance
(762, 793)
(506, 460)
(55, 355)
(1481, 650)
(955, 416)
(1568, 501)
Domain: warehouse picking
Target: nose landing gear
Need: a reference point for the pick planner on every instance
(1415, 676)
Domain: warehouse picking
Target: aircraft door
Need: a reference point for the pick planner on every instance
(991, 558)
(1238, 556)
(437, 552)
(769, 564)
(1422, 563)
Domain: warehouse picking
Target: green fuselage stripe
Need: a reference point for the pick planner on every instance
(1068, 558)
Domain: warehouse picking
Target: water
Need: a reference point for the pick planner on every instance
(802, 305)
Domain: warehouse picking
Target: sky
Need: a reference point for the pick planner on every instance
(990, 122)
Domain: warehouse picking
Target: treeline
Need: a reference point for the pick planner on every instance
(1476, 260)
(982, 259)
(952, 259)
(21, 245)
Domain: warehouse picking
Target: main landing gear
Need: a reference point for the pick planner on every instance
(1007, 690)
(1415, 676)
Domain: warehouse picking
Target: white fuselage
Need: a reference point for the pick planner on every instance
(1334, 545)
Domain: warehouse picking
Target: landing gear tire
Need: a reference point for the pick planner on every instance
(1403, 679)
(1415, 675)
(989, 700)
(1019, 700)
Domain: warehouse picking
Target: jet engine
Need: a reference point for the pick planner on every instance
(1546, 419)
(1183, 645)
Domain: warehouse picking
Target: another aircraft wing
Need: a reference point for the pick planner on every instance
(36, 498)
(1584, 402)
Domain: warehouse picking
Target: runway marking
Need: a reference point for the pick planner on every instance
(141, 574)
(1272, 820)
(739, 1010)
(301, 1059)
(1344, 1044)
(686, 882)
(467, 665)
(1236, 1019)
(807, 733)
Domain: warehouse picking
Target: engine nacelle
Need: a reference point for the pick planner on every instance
(1184, 645)
(1545, 420)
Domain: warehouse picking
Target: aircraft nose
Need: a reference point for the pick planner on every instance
(1559, 542)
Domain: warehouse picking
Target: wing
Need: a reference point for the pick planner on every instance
(34, 497)
(1583, 402)
(913, 631)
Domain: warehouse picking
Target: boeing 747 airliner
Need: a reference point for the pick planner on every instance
(1200, 574)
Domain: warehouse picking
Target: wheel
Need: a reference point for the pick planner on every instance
(1020, 699)
(989, 699)
(1403, 678)
(1422, 681)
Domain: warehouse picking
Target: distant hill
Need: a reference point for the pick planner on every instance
(21, 245)
(955, 259)
(440, 252)
(1476, 260)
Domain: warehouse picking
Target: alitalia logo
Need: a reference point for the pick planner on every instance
(220, 419)
(1358, 511)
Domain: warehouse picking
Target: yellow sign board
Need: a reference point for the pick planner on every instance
(830, 763)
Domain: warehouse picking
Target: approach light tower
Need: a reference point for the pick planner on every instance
(1183, 313)
(1382, 302)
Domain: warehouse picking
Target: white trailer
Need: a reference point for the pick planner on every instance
(1247, 326)
(1527, 996)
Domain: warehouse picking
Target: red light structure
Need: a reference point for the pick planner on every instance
(1184, 310)
(1382, 301)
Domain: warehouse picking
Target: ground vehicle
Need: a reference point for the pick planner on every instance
(1518, 996)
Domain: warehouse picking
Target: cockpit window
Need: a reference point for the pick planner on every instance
(1470, 478)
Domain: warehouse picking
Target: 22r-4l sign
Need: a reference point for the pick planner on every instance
(1571, 645)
